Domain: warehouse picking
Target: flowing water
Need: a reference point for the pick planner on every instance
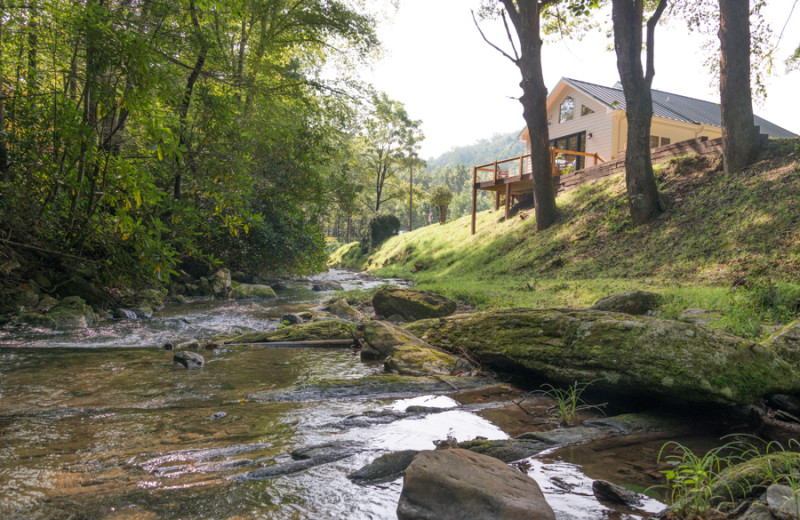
(89, 429)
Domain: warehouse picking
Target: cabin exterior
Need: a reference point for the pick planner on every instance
(590, 118)
(588, 132)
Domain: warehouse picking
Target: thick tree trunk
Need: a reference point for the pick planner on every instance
(643, 198)
(739, 136)
(525, 17)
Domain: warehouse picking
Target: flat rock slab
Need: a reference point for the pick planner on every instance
(450, 484)
(385, 468)
(633, 356)
(379, 386)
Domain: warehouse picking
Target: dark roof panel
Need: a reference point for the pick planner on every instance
(675, 107)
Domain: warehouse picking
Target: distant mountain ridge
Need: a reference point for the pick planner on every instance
(497, 147)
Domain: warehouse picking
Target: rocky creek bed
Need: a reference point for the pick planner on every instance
(92, 430)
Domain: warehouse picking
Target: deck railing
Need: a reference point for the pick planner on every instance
(563, 163)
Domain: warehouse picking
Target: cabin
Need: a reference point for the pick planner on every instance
(587, 126)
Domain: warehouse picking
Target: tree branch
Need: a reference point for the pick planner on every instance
(651, 34)
(495, 47)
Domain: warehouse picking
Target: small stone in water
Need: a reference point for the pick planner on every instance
(188, 359)
(218, 415)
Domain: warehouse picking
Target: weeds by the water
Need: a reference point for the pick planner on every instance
(569, 402)
(695, 485)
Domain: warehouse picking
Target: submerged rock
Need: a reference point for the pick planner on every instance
(385, 468)
(188, 359)
(326, 285)
(636, 356)
(611, 493)
(316, 330)
(374, 387)
(303, 460)
(410, 304)
(124, 314)
(460, 484)
(628, 302)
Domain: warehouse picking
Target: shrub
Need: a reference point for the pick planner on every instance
(440, 198)
(381, 227)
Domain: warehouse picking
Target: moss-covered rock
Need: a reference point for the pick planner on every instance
(629, 302)
(315, 330)
(411, 304)
(752, 478)
(35, 319)
(637, 356)
(342, 309)
(72, 313)
(244, 291)
(415, 360)
(405, 353)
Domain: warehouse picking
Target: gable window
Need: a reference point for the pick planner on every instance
(567, 110)
(653, 141)
(665, 141)
(585, 111)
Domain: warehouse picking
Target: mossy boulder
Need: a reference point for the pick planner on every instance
(636, 356)
(35, 319)
(751, 478)
(405, 353)
(344, 310)
(414, 360)
(72, 313)
(315, 330)
(245, 291)
(382, 337)
(628, 302)
(410, 304)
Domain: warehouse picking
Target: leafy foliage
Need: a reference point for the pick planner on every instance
(145, 137)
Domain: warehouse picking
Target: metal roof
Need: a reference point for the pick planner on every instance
(675, 107)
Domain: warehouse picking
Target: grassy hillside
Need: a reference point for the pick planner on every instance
(725, 243)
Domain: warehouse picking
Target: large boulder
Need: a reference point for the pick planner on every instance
(405, 353)
(636, 356)
(410, 304)
(217, 285)
(72, 313)
(629, 302)
(455, 483)
(244, 291)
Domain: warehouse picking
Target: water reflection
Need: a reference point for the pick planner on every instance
(108, 432)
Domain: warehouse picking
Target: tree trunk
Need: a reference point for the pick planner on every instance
(643, 198)
(739, 136)
(525, 17)
(4, 171)
(411, 198)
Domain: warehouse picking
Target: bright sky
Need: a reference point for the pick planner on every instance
(438, 65)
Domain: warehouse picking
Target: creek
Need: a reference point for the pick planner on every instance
(94, 424)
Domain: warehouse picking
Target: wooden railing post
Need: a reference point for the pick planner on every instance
(495, 171)
(553, 161)
(521, 163)
(474, 196)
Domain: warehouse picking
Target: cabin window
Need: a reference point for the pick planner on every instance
(585, 111)
(653, 141)
(567, 110)
(665, 141)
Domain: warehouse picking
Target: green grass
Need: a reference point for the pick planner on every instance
(728, 244)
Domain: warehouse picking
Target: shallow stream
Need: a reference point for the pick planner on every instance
(89, 429)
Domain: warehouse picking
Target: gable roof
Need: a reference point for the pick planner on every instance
(673, 106)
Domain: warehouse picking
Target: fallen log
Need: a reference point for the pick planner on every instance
(318, 343)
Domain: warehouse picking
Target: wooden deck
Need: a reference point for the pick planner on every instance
(521, 181)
